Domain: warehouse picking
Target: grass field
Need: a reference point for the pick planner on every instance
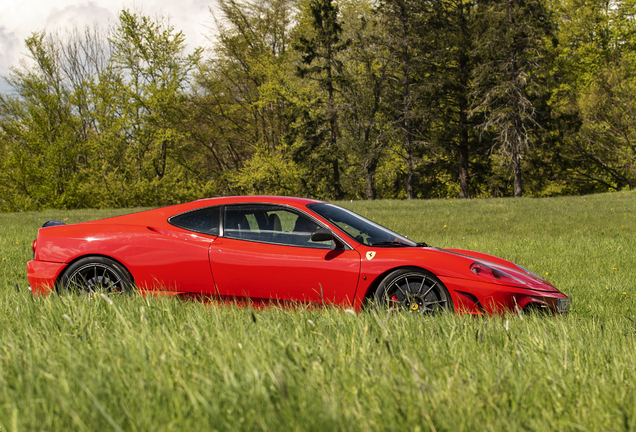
(141, 364)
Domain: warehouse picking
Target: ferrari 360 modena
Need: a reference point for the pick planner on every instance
(269, 249)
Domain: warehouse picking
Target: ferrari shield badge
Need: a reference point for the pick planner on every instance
(370, 255)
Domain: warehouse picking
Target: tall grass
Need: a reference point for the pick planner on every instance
(139, 363)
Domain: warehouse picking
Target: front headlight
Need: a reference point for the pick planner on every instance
(481, 269)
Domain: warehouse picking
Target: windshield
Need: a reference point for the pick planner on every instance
(359, 228)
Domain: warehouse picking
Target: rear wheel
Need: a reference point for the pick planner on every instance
(96, 274)
(415, 290)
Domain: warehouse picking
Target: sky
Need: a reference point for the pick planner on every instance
(20, 18)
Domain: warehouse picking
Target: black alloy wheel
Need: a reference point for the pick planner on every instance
(415, 290)
(96, 274)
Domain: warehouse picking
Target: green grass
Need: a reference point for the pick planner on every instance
(164, 364)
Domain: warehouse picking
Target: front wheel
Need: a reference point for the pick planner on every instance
(96, 274)
(415, 290)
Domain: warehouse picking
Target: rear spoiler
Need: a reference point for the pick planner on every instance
(52, 223)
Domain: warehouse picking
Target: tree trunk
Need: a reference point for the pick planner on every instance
(464, 191)
(333, 139)
(464, 76)
(406, 106)
(337, 190)
(409, 175)
(369, 173)
(516, 166)
(518, 123)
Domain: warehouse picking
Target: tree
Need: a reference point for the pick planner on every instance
(247, 95)
(450, 32)
(39, 129)
(364, 91)
(99, 122)
(508, 79)
(145, 93)
(401, 43)
(594, 94)
(320, 43)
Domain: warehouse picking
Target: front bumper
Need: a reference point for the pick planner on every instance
(477, 297)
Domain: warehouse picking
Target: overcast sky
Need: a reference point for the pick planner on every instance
(20, 18)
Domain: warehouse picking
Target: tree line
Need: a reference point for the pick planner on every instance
(334, 99)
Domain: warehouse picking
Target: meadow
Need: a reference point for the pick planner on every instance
(132, 363)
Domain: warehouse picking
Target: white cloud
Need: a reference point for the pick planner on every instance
(9, 43)
(20, 18)
(78, 15)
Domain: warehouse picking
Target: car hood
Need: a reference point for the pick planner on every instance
(456, 263)
(532, 281)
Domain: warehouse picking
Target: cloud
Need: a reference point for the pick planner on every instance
(78, 16)
(9, 44)
(19, 18)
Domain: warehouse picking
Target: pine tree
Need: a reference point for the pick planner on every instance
(510, 49)
(449, 32)
(320, 46)
(402, 19)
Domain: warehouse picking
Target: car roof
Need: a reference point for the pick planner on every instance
(163, 213)
(273, 199)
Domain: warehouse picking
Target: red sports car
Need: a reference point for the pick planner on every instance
(266, 248)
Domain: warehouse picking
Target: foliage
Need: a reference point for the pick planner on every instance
(509, 79)
(40, 162)
(146, 104)
(319, 45)
(365, 90)
(271, 174)
(97, 122)
(247, 96)
(592, 94)
(329, 99)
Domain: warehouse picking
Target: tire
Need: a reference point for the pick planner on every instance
(96, 274)
(415, 290)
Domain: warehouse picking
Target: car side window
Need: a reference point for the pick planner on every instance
(271, 224)
(205, 220)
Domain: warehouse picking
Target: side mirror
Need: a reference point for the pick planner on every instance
(321, 234)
